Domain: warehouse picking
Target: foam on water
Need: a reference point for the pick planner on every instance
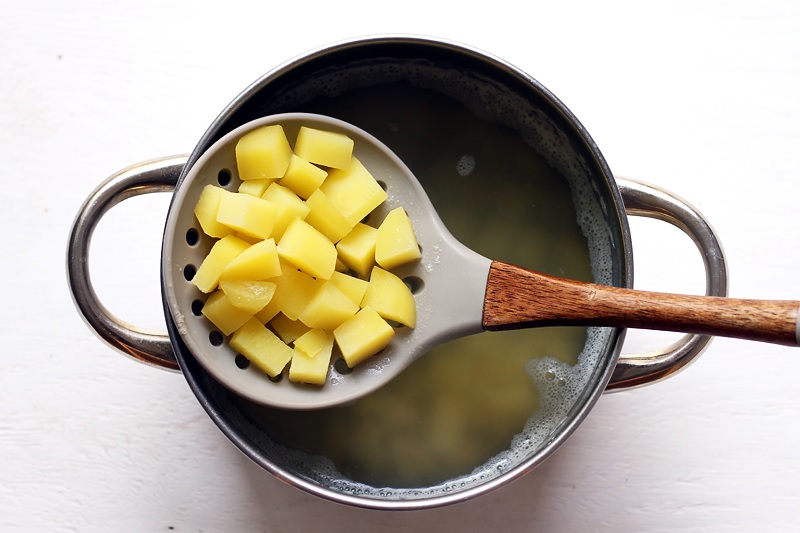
(562, 387)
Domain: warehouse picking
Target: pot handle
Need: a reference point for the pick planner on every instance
(640, 199)
(152, 348)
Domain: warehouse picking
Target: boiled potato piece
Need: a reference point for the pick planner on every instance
(328, 308)
(390, 297)
(353, 191)
(254, 187)
(303, 177)
(223, 314)
(324, 216)
(222, 253)
(258, 262)
(309, 250)
(294, 289)
(362, 336)
(352, 286)
(326, 148)
(261, 347)
(289, 206)
(247, 214)
(357, 249)
(313, 341)
(396, 243)
(206, 211)
(249, 296)
(312, 369)
(263, 153)
(286, 328)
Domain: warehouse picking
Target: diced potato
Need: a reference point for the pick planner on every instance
(396, 243)
(286, 328)
(270, 311)
(289, 206)
(328, 308)
(287, 249)
(263, 153)
(357, 249)
(313, 341)
(362, 336)
(324, 216)
(326, 148)
(206, 211)
(247, 214)
(390, 297)
(223, 314)
(353, 191)
(353, 287)
(261, 347)
(294, 290)
(222, 253)
(259, 261)
(249, 296)
(307, 249)
(254, 187)
(312, 369)
(303, 177)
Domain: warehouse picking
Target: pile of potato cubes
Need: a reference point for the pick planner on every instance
(294, 269)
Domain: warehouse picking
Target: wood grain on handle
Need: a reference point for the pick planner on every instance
(517, 298)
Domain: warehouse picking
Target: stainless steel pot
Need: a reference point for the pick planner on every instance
(349, 81)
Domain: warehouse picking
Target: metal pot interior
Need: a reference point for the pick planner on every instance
(514, 176)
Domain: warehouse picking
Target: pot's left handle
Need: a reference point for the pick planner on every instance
(160, 175)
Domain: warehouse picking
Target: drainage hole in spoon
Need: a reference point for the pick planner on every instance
(188, 272)
(192, 237)
(224, 177)
(414, 283)
(216, 338)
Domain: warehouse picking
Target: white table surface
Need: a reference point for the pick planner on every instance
(702, 98)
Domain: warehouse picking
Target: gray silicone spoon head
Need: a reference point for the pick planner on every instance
(448, 281)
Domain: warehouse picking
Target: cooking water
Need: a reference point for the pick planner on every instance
(453, 416)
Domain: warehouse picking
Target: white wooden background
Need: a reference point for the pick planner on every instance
(701, 97)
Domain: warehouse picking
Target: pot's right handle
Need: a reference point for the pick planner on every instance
(645, 200)
(151, 348)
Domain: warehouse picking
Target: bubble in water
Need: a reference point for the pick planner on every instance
(465, 165)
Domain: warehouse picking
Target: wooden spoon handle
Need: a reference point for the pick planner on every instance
(518, 298)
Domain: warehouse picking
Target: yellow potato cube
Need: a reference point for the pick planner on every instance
(357, 249)
(303, 177)
(254, 187)
(327, 148)
(353, 191)
(289, 206)
(247, 214)
(286, 328)
(352, 286)
(390, 297)
(328, 308)
(263, 153)
(313, 341)
(307, 249)
(223, 314)
(362, 336)
(249, 296)
(221, 254)
(396, 243)
(206, 211)
(294, 290)
(312, 369)
(270, 311)
(258, 262)
(324, 216)
(261, 347)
